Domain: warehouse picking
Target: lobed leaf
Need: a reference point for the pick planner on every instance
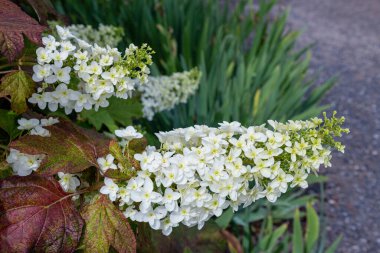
(129, 163)
(120, 111)
(37, 215)
(20, 86)
(14, 23)
(69, 149)
(106, 226)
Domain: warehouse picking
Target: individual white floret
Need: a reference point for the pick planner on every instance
(106, 163)
(129, 133)
(27, 124)
(39, 130)
(110, 189)
(69, 182)
(49, 121)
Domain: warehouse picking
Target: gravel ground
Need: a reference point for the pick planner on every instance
(347, 37)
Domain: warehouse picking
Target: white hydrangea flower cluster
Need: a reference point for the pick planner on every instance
(164, 92)
(36, 126)
(200, 171)
(77, 75)
(103, 36)
(23, 164)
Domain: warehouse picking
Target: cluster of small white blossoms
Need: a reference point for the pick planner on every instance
(36, 126)
(103, 36)
(24, 164)
(77, 75)
(200, 171)
(164, 92)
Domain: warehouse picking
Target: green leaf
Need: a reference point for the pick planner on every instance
(275, 236)
(120, 111)
(312, 229)
(8, 123)
(20, 86)
(69, 149)
(208, 240)
(224, 220)
(129, 163)
(297, 233)
(100, 118)
(313, 179)
(106, 226)
(334, 245)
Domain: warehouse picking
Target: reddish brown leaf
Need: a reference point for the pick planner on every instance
(43, 8)
(69, 148)
(37, 215)
(106, 226)
(13, 24)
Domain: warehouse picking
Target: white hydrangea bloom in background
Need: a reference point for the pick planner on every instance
(69, 182)
(164, 92)
(76, 75)
(103, 35)
(200, 171)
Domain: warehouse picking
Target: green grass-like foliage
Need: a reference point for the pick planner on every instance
(250, 68)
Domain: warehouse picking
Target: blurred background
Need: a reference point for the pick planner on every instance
(261, 60)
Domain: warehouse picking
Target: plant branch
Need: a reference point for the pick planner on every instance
(18, 63)
(5, 72)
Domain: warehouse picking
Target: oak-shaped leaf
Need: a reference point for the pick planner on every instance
(129, 165)
(14, 23)
(36, 215)
(20, 86)
(120, 111)
(69, 148)
(106, 226)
